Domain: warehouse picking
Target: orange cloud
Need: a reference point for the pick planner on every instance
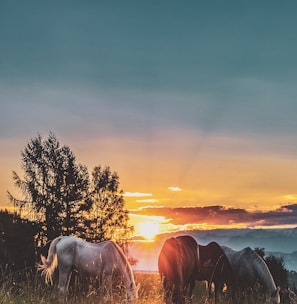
(221, 216)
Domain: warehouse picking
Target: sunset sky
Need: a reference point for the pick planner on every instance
(192, 103)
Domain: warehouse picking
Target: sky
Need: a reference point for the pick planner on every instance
(192, 103)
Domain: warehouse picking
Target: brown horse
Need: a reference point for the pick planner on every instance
(178, 266)
(215, 268)
(182, 261)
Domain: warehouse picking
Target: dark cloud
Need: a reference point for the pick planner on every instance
(220, 215)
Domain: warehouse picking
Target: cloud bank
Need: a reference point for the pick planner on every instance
(220, 215)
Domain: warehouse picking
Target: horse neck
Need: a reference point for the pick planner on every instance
(126, 271)
(264, 275)
(131, 287)
(129, 278)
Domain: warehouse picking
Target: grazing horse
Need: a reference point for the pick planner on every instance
(104, 261)
(178, 266)
(215, 268)
(250, 269)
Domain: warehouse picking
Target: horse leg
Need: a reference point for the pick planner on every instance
(107, 280)
(64, 279)
(192, 285)
(209, 284)
(182, 293)
(216, 292)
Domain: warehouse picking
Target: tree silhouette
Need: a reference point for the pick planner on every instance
(278, 271)
(16, 242)
(55, 188)
(260, 252)
(108, 219)
(58, 195)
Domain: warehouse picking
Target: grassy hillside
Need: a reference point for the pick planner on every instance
(33, 290)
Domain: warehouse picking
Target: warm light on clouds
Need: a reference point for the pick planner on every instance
(151, 200)
(174, 189)
(137, 194)
(209, 217)
(290, 197)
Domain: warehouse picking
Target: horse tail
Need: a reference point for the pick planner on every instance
(49, 265)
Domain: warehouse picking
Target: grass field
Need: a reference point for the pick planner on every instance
(32, 290)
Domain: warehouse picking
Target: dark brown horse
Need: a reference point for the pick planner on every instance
(215, 268)
(178, 267)
(182, 261)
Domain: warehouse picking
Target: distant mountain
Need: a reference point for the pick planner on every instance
(282, 240)
(277, 242)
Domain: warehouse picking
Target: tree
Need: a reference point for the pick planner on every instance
(260, 252)
(55, 188)
(278, 271)
(16, 242)
(108, 218)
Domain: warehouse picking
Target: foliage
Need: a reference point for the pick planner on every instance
(107, 219)
(278, 271)
(16, 243)
(260, 252)
(57, 194)
(292, 279)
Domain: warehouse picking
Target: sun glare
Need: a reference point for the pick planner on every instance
(148, 229)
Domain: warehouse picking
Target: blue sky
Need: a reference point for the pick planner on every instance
(198, 94)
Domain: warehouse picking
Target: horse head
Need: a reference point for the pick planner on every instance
(132, 292)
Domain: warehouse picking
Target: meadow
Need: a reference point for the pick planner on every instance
(31, 289)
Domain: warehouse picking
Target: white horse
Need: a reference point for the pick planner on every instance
(250, 268)
(104, 261)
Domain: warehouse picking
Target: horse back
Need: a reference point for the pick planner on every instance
(189, 256)
(209, 255)
(169, 261)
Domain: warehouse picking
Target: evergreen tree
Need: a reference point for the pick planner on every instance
(57, 194)
(54, 187)
(278, 271)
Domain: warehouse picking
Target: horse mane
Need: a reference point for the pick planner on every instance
(120, 250)
(123, 257)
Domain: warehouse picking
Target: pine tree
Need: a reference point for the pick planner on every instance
(54, 187)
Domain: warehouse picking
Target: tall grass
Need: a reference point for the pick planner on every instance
(28, 287)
